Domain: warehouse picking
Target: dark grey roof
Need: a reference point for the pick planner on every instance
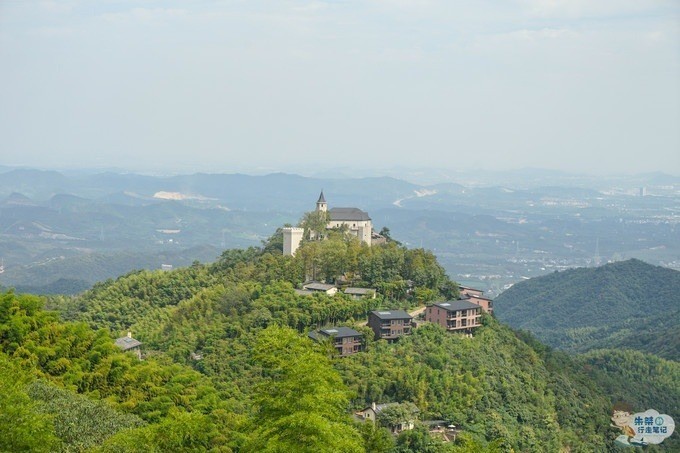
(478, 297)
(359, 291)
(126, 343)
(470, 288)
(455, 305)
(392, 314)
(339, 332)
(321, 198)
(379, 407)
(352, 214)
(316, 286)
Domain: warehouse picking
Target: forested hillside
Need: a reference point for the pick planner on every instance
(629, 304)
(228, 366)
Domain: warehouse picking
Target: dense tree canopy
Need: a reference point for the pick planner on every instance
(228, 367)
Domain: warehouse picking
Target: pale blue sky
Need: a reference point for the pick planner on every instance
(577, 85)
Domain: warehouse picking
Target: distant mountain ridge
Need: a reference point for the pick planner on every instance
(629, 305)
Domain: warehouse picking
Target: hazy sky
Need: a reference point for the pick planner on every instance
(578, 85)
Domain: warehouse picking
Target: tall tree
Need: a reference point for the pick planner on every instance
(302, 402)
(23, 428)
(314, 223)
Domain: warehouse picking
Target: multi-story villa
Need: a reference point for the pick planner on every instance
(345, 340)
(390, 324)
(456, 315)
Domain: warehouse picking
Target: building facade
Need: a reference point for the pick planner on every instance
(346, 341)
(457, 315)
(484, 302)
(357, 222)
(476, 296)
(291, 240)
(390, 324)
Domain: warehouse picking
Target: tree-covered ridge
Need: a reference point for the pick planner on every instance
(629, 304)
(493, 385)
(228, 366)
(638, 379)
(82, 360)
(401, 276)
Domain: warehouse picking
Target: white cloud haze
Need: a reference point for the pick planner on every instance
(578, 85)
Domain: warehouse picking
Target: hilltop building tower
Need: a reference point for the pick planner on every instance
(321, 204)
(357, 222)
(291, 240)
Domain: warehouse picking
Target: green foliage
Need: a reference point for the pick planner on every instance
(314, 223)
(258, 384)
(74, 356)
(180, 431)
(377, 439)
(24, 428)
(397, 414)
(118, 305)
(79, 422)
(494, 386)
(630, 304)
(640, 380)
(419, 440)
(302, 403)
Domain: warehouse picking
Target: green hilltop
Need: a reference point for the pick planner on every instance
(624, 305)
(228, 366)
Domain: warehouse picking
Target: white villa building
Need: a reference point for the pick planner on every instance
(357, 221)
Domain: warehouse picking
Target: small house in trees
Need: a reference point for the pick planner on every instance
(390, 324)
(320, 287)
(360, 293)
(397, 417)
(456, 315)
(129, 344)
(345, 340)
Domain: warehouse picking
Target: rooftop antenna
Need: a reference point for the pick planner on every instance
(597, 251)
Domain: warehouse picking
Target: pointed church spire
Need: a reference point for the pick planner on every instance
(321, 205)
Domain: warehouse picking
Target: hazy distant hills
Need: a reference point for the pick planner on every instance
(74, 274)
(487, 236)
(629, 304)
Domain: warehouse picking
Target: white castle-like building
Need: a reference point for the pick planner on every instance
(357, 222)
